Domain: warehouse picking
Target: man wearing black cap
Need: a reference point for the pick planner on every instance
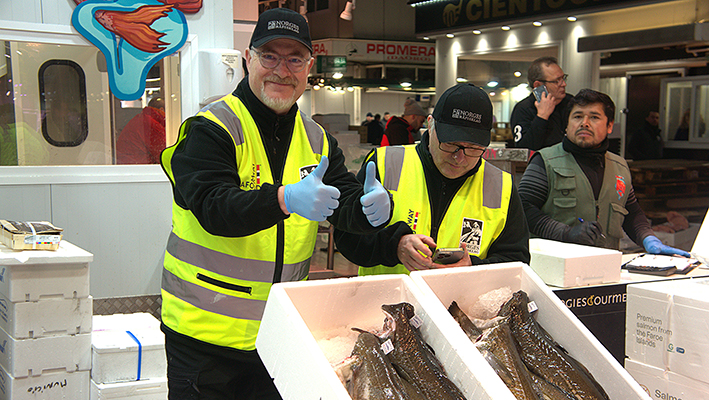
(446, 195)
(252, 176)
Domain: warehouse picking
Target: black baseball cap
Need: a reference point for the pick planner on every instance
(463, 113)
(281, 23)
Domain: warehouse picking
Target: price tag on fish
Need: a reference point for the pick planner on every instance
(416, 321)
(387, 347)
(532, 307)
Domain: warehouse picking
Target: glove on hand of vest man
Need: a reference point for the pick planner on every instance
(375, 202)
(310, 198)
(584, 233)
(653, 245)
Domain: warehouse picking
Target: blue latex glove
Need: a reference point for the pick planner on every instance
(653, 245)
(375, 201)
(310, 198)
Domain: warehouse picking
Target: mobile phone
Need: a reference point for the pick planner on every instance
(448, 256)
(538, 92)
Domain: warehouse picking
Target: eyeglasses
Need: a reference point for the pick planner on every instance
(271, 60)
(453, 148)
(558, 80)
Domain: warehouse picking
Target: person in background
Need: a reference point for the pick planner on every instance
(252, 175)
(369, 118)
(446, 195)
(402, 130)
(143, 137)
(385, 119)
(579, 192)
(646, 143)
(539, 123)
(375, 130)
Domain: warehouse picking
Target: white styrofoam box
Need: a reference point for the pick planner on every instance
(570, 265)
(51, 385)
(51, 317)
(149, 389)
(465, 285)
(666, 325)
(32, 357)
(662, 384)
(298, 314)
(680, 239)
(128, 355)
(32, 275)
(701, 243)
(124, 322)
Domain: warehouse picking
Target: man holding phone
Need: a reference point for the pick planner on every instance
(448, 198)
(537, 121)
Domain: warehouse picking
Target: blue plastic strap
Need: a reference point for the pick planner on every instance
(140, 353)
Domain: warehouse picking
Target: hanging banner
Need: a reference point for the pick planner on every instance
(377, 51)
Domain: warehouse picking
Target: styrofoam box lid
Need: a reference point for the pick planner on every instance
(566, 250)
(125, 322)
(119, 341)
(66, 253)
(143, 389)
(466, 284)
(297, 314)
(701, 243)
(692, 292)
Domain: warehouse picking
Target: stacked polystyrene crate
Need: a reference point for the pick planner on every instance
(128, 357)
(45, 321)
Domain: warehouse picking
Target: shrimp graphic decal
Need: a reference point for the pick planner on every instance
(133, 36)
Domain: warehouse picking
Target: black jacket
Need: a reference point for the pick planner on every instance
(380, 248)
(534, 133)
(398, 131)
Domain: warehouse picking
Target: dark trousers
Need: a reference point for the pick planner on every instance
(195, 375)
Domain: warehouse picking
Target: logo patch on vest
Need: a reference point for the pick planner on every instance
(619, 186)
(412, 219)
(472, 235)
(306, 170)
(254, 181)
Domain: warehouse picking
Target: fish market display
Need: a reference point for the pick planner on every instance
(396, 363)
(526, 357)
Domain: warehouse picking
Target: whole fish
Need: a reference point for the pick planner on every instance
(413, 358)
(498, 341)
(545, 357)
(472, 331)
(372, 375)
(547, 391)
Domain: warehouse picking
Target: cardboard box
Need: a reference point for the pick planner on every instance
(128, 355)
(298, 314)
(51, 317)
(34, 357)
(667, 324)
(683, 239)
(149, 389)
(42, 274)
(52, 385)
(466, 284)
(23, 235)
(571, 265)
(662, 384)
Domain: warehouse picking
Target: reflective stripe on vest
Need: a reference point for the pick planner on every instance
(571, 195)
(477, 213)
(215, 288)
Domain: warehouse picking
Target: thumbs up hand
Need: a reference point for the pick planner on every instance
(310, 198)
(375, 201)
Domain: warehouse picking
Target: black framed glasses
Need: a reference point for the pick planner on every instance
(558, 80)
(271, 60)
(454, 148)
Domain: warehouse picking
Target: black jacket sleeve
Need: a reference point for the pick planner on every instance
(528, 129)
(533, 192)
(636, 225)
(376, 248)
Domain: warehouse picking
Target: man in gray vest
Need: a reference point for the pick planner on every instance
(577, 191)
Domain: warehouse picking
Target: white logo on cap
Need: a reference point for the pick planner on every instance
(467, 115)
(283, 25)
